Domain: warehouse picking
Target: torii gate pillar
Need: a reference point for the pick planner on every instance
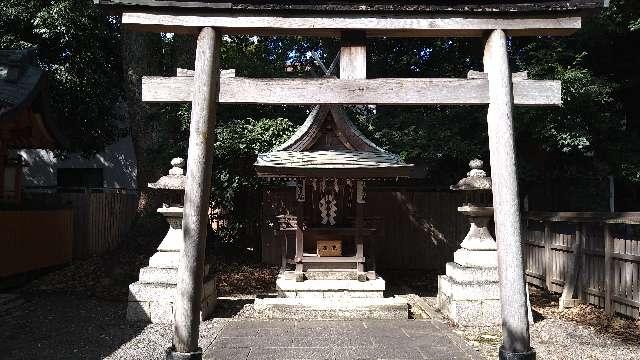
(206, 85)
(515, 324)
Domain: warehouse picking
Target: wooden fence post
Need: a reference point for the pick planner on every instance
(608, 280)
(572, 277)
(548, 263)
(583, 278)
(196, 199)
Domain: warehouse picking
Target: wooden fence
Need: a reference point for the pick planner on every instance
(34, 239)
(600, 252)
(417, 229)
(101, 219)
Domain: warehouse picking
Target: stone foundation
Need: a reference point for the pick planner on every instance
(151, 298)
(329, 288)
(469, 294)
(469, 303)
(153, 302)
(327, 298)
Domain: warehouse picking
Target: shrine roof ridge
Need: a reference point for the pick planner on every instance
(463, 6)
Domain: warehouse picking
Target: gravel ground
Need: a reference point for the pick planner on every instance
(568, 335)
(79, 311)
(557, 339)
(62, 326)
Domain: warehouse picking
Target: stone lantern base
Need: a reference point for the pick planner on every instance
(151, 298)
(469, 293)
(470, 296)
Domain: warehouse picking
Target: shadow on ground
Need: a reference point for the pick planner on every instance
(59, 326)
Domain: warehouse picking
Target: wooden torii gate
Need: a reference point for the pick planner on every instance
(353, 22)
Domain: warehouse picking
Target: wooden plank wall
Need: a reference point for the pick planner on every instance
(101, 219)
(34, 239)
(417, 229)
(547, 257)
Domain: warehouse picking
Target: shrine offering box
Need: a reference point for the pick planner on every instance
(329, 248)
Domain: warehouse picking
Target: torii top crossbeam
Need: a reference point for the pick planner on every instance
(353, 21)
(377, 18)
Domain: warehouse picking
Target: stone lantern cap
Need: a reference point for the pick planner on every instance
(176, 178)
(476, 179)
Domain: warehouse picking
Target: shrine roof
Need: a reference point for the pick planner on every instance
(328, 144)
(332, 163)
(19, 81)
(23, 104)
(364, 6)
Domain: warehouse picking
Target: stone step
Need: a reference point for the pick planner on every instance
(151, 275)
(289, 288)
(165, 260)
(489, 290)
(139, 291)
(320, 274)
(162, 312)
(459, 273)
(154, 302)
(470, 312)
(339, 309)
(470, 258)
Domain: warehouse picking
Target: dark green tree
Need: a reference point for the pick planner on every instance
(79, 48)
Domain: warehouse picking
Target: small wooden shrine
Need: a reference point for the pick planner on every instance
(25, 122)
(330, 162)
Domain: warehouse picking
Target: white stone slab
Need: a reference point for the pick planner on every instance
(283, 284)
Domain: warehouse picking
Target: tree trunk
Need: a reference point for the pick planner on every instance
(140, 57)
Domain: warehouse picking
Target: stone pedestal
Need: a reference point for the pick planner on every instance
(151, 298)
(469, 293)
(327, 298)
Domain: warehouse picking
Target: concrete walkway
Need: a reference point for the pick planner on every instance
(369, 339)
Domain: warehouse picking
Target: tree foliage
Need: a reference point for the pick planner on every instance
(78, 46)
(237, 144)
(595, 133)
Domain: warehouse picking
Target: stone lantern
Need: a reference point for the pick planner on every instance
(469, 293)
(151, 298)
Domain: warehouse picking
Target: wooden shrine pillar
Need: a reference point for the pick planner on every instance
(353, 55)
(3, 165)
(353, 65)
(506, 204)
(301, 197)
(196, 199)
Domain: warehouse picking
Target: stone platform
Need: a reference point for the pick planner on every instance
(331, 299)
(151, 298)
(329, 288)
(331, 309)
(153, 302)
(469, 293)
